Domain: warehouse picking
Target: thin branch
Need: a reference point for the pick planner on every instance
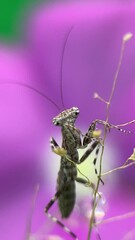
(92, 218)
(117, 218)
(125, 124)
(100, 98)
(116, 77)
(118, 168)
(28, 225)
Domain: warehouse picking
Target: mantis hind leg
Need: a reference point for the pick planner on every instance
(54, 219)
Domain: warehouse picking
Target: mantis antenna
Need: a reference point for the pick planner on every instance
(61, 82)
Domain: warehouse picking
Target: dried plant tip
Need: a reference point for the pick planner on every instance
(100, 98)
(95, 95)
(127, 36)
(132, 157)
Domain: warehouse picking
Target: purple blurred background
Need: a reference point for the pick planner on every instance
(90, 61)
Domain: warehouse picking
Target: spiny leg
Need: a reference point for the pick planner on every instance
(85, 182)
(95, 145)
(88, 151)
(57, 149)
(54, 145)
(90, 133)
(52, 201)
(54, 219)
(95, 161)
(109, 126)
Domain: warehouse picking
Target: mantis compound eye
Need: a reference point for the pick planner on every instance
(56, 122)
